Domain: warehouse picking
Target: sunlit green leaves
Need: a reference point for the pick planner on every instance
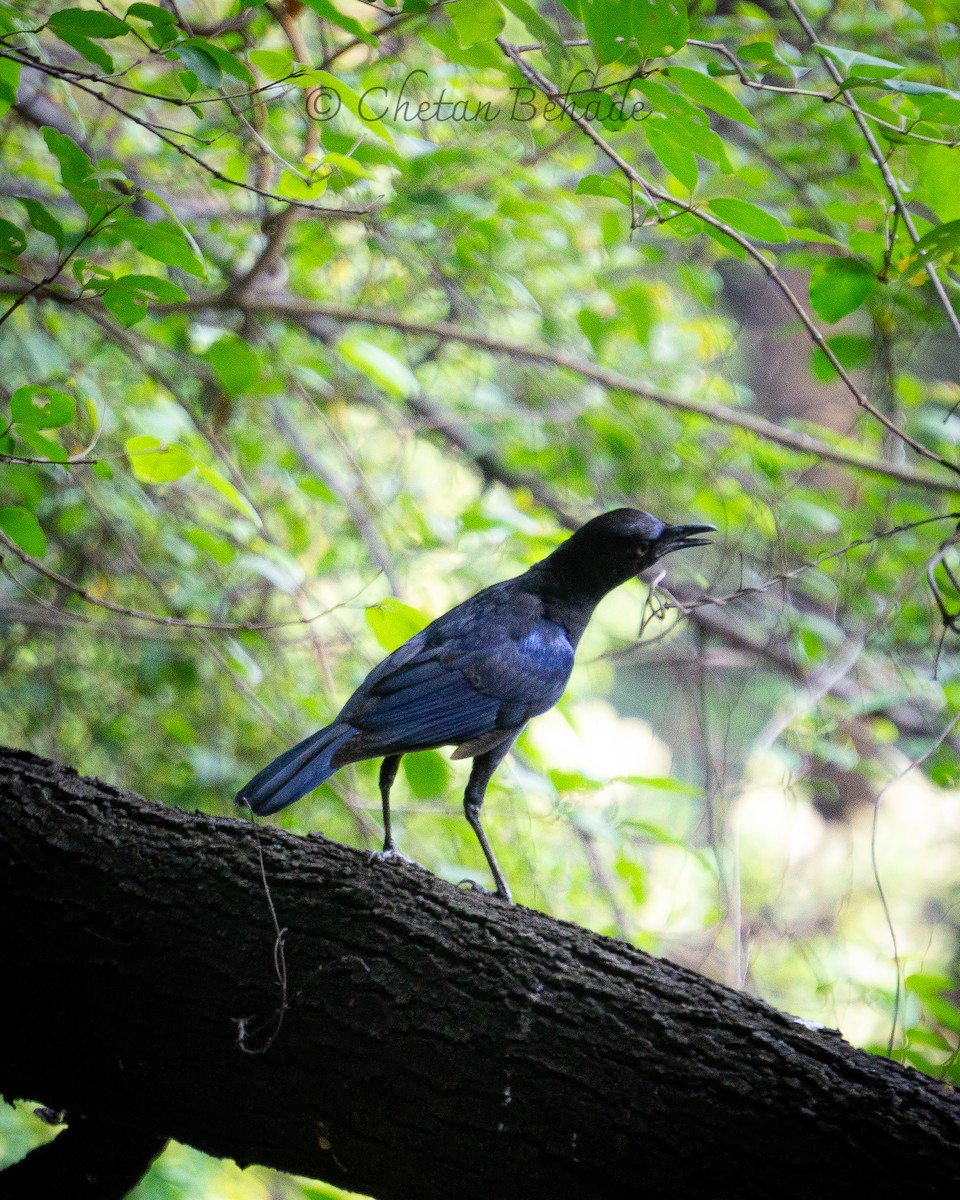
(274, 64)
(227, 491)
(706, 91)
(678, 160)
(476, 20)
(330, 12)
(381, 367)
(42, 407)
(23, 528)
(659, 26)
(394, 622)
(606, 23)
(337, 93)
(154, 461)
(614, 186)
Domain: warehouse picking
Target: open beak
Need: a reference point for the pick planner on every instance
(682, 537)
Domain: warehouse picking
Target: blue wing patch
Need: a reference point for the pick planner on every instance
(445, 694)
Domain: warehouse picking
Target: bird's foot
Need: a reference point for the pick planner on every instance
(392, 854)
(496, 894)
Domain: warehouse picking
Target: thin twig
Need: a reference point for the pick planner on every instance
(303, 312)
(154, 618)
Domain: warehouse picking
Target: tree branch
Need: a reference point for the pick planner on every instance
(303, 311)
(429, 1042)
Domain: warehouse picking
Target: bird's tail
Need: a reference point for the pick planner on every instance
(295, 772)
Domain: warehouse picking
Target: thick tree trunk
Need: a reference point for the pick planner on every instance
(429, 1042)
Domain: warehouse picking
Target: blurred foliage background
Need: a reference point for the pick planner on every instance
(318, 317)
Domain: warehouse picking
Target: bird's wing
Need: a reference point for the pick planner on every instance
(448, 685)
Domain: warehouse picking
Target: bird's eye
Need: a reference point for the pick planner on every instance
(642, 548)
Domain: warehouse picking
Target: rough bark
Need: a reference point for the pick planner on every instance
(434, 1042)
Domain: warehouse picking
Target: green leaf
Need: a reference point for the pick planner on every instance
(761, 53)
(199, 60)
(840, 286)
(476, 20)
(680, 162)
(701, 139)
(614, 186)
(342, 93)
(127, 297)
(659, 26)
(329, 12)
(224, 61)
(75, 166)
(707, 92)
(43, 220)
(39, 407)
(9, 82)
(856, 60)
(940, 242)
(13, 240)
(394, 622)
(91, 51)
(87, 22)
(749, 219)
(42, 447)
(928, 985)
(851, 349)
(810, 235)
(237, 366)
(603, 23)
(379, 366)
(163, 24)
(539, 29)
(152, 13)
(22, 527)
(153, 461)
(348, 166)
(163, 241)
(223, 486)
(273, 64)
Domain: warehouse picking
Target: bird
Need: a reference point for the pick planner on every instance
(475, 676)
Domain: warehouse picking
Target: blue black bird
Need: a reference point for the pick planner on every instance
(475, 676)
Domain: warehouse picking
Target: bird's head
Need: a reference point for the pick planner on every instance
(618, 545)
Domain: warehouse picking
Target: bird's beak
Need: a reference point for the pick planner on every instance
(682, 537)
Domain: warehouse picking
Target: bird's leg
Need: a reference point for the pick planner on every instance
(484, 766)
(388, 773)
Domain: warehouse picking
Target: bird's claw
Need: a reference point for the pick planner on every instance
(494, 893)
